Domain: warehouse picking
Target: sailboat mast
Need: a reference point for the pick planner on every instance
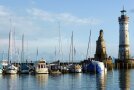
(72, 47)
(89, 45)
(55, 54)
(22, 52)
(27, 52)
(70, 52)
(60, 45)
(37, 55)
(9, 48)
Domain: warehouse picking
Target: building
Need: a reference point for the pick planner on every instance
(124, 48)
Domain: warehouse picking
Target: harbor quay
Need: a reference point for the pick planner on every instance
(124, 64)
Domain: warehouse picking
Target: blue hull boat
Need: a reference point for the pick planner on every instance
(24, 68)
(96, 67)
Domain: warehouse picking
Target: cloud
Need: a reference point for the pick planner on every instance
(38, 35)
(62, 17)
(21, 24)
(4, 11)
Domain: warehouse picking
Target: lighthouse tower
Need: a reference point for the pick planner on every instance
(124, 50)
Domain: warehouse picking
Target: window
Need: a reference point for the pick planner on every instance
(38, 66)
(41, 66)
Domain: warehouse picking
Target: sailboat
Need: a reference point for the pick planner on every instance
(56, 68)
(40, 66)
(74, 68)
(10, 68)
(84, 66)
(24, 68)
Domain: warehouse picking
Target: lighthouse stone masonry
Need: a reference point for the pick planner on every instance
(124, 49)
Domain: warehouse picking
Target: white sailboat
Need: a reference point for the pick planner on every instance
(74, 68)
(56, 68)
(24, 68)
(10, 68)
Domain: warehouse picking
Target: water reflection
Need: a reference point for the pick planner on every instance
(124, 79)
(11, 82)
(101, 81)
(76, 82)
(42, 79)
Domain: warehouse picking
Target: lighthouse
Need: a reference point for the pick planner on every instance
(124, 48)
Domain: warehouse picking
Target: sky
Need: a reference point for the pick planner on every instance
(39, 21)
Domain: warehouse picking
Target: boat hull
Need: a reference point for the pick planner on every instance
(96, 67)
(42, 71)
(1, 71)
(11, 71)
(55, 72)
(78, 70)
(24, 71)
(75, 70)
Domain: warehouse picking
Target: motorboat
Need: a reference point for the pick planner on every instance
(40, 67)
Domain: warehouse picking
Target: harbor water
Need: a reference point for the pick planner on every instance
(116, 79)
